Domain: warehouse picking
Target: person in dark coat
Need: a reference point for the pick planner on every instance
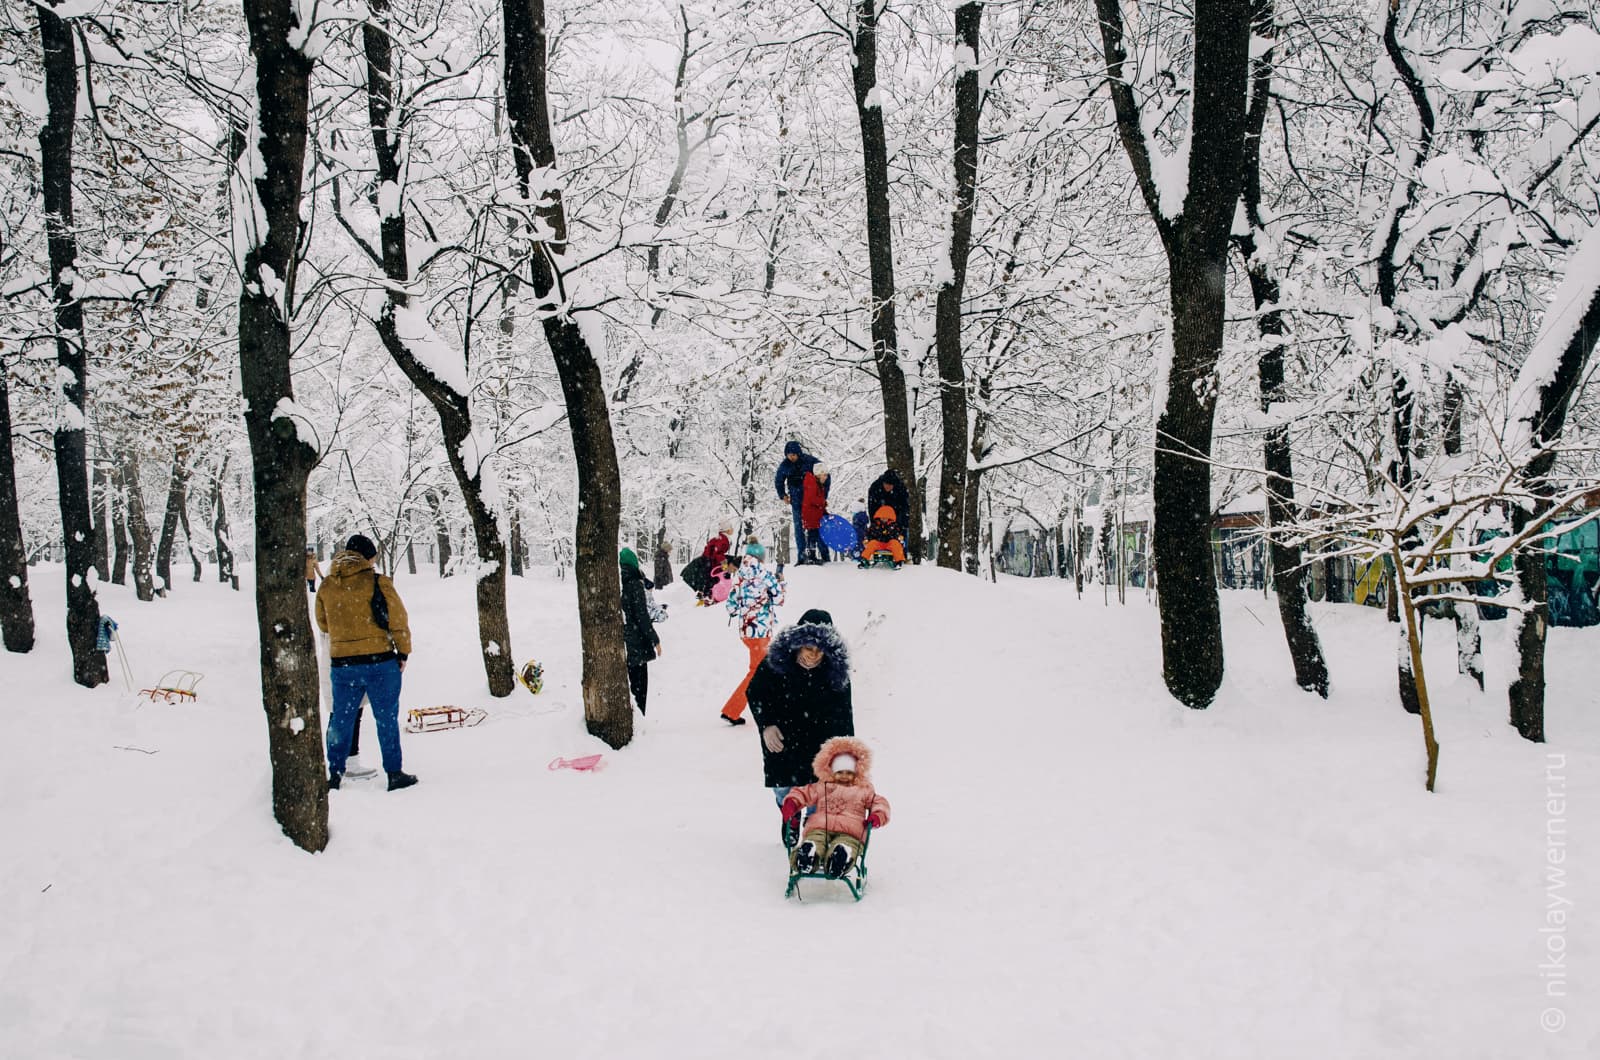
(790, 484)
(800, 697)
(638, 632)
(663, 565)
(888, 488)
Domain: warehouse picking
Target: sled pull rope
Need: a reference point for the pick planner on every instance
(122, 657)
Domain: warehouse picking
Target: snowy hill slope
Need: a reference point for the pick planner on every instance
(1076, 865)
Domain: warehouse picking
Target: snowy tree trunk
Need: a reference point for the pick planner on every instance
(188, 537)
(1288, 573)
(280, 459)
(100, 498)
(220, 531)
(971, 523)
(177, 488)
(880, 261)
(120, 545)
(1469, 642)
(143, 552)
(608, 709)
(453, 408)
(1196, 242)
(1526, 694)
(1402, 395)
(441, 533)
(16, 607)
(947, 308)
(1548, 423)
(72, 477)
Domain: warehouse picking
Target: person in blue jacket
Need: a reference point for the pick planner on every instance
(790, 484)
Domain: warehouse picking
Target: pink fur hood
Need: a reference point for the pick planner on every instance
(841, 745)
(840, 808)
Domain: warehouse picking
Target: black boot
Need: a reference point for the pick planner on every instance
(333, 781)
(838, 862)
(805, 859)
(401, 780)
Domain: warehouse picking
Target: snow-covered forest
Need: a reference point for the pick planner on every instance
(1197, 315)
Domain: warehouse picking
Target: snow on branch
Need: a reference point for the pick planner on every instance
(1573, 299)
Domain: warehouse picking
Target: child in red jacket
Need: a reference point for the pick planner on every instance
(842, 803)
(813, 509)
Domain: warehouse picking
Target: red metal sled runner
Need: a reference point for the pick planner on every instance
(432, 719)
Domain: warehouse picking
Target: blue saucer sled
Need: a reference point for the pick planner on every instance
(838, 534)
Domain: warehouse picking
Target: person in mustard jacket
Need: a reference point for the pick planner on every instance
(842, 803)
(369, 642)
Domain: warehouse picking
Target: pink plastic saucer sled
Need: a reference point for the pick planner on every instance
(586, 764)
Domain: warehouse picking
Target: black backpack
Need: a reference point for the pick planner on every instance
(380, 604)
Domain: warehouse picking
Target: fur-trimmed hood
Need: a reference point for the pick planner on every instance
(840, 745)
(835, 664)
(347, 564)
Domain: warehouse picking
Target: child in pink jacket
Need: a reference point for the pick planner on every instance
(842, 803)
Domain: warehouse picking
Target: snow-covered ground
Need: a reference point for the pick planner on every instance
(1076, 866)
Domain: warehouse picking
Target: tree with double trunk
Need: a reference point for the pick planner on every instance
(897, 450)
(268, 185)
(61, 85)
(1193, 211)
(438, 372)
(130, 491)
(607, 707)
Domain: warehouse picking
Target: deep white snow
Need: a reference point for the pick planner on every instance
(1076, 866)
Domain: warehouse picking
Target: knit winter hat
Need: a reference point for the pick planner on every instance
(362, 546)
(628, 559)
(821, 471)
(843, 762)
(816, 616)
(754, 549)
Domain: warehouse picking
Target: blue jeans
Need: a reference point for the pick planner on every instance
(799, 527)
(380, 682)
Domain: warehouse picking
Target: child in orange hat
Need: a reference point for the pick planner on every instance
(883, 533)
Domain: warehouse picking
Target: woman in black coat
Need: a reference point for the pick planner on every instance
(800, 696)
(638, 632)
(888, 488)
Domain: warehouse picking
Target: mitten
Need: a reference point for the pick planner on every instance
(790, 810)
(877, 820)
